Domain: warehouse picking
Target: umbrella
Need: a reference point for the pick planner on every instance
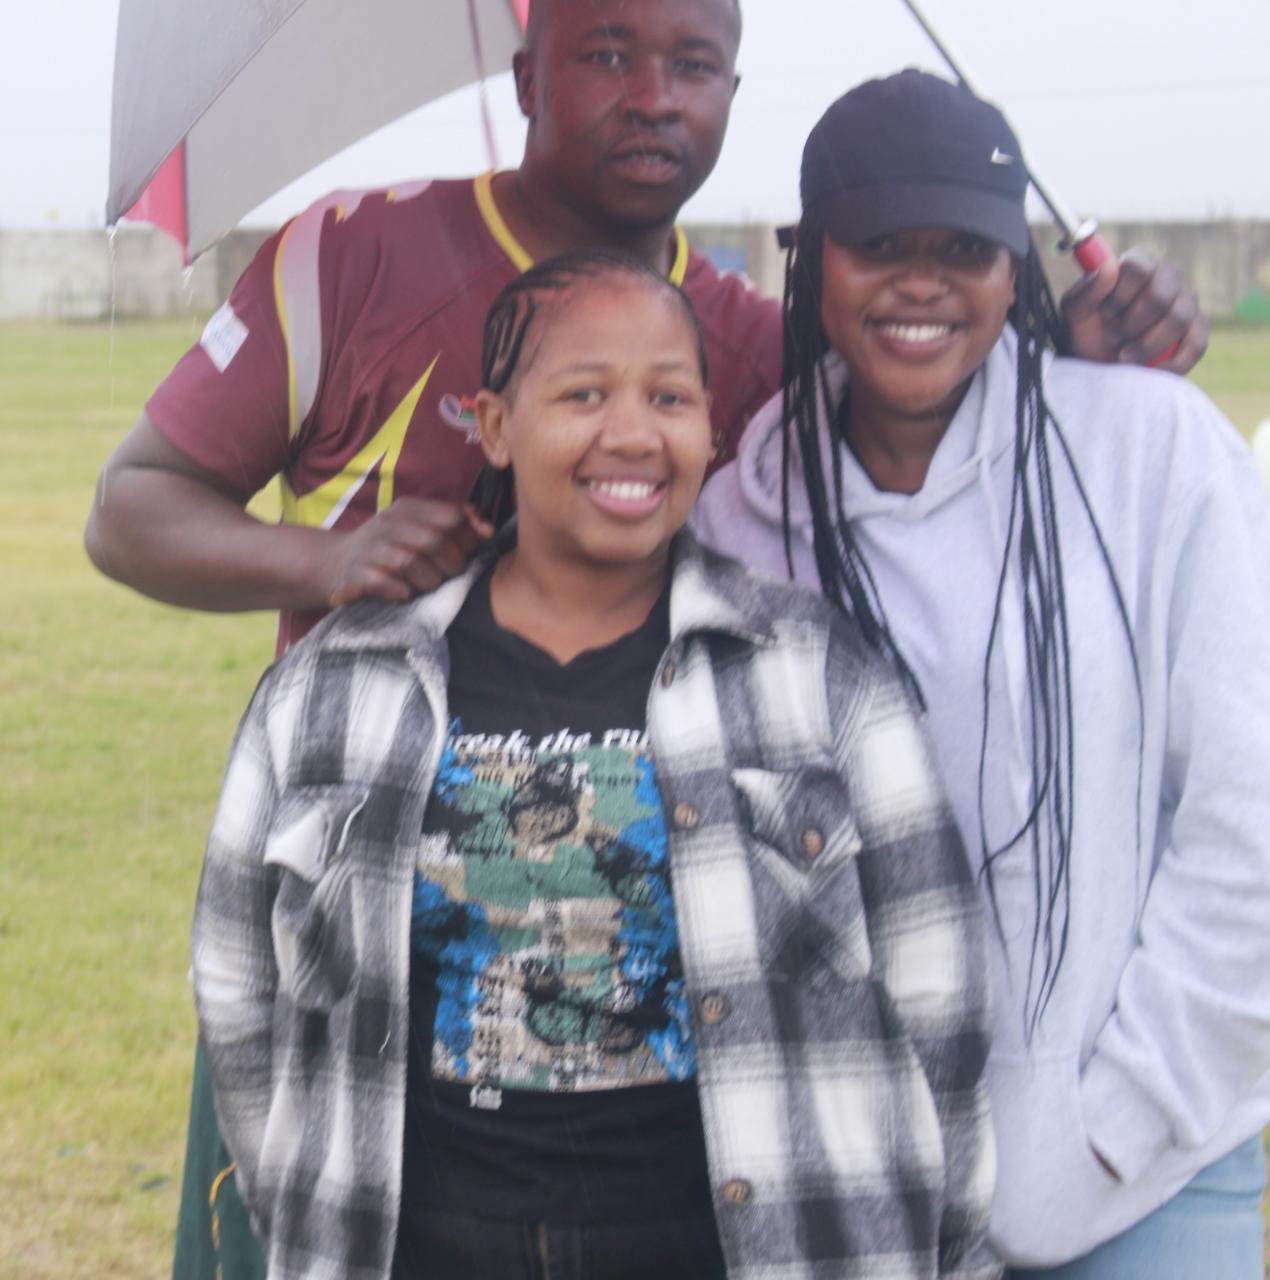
(223, 104)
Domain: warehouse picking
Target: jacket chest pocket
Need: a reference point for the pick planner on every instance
(314, 917)
(803, 845)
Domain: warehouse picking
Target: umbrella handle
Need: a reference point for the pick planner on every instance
(1092, 252)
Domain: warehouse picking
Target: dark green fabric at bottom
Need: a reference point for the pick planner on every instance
(214, 1240)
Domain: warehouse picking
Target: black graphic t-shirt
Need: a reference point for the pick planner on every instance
(551, 1069)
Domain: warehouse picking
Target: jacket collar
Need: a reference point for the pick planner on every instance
(383, 625)
(711, 593)
(707, 593)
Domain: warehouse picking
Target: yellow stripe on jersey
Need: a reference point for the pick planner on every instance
(280, 303)
(679, 268)
(501, 232)
(324, 506)
(483, 187)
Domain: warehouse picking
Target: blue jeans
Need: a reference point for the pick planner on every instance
(1211, 1230)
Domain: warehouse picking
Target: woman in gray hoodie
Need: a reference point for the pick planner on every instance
(1070, 565)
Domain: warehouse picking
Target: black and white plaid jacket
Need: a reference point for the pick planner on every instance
(829, 927)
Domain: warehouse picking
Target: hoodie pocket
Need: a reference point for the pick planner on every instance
(1053, 1199)
(314, 920)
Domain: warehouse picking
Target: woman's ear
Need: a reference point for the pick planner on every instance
(491, 417)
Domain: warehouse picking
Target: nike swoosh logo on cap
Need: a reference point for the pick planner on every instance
(1001, 157)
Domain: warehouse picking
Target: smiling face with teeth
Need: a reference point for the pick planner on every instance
(914, 314)
(606, 426)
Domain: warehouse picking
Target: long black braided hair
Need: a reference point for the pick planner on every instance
(511, 318)
(1033, 548)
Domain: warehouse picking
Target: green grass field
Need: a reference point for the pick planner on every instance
(115, 717)
(1236, 373)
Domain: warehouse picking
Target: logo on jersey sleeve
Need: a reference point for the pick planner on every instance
(223, 337)
(459, 412)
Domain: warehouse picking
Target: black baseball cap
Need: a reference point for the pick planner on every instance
(914, 150)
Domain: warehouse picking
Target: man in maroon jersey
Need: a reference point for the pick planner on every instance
(346, 356)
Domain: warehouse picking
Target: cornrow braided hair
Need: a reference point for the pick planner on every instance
(509, 321)
(1032, 547)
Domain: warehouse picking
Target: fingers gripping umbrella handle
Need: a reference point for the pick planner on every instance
(1091, 251)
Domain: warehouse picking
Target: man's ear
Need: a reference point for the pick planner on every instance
(491, 416)
(523, 74)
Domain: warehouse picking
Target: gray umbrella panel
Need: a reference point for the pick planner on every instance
(263, 90)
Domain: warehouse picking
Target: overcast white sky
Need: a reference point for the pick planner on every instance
(1152, 108)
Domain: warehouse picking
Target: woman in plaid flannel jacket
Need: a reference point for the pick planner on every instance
(829, 927)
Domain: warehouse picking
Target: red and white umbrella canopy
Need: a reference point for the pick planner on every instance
(234, 99)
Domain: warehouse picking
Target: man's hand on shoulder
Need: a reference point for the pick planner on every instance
(413, 546)
(1136, 310)
(170, 529)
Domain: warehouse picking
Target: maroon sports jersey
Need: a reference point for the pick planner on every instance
(347, 355)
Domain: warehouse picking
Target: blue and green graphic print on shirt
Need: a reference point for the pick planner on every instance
(543, 906)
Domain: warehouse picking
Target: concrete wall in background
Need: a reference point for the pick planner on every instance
(1227, 262)
(88, 275)
(84, 275)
